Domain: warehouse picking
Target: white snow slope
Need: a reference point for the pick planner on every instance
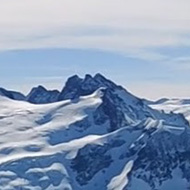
(24, 134)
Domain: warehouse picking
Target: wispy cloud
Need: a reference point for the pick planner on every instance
(131, 27)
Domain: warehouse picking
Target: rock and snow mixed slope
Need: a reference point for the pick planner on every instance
(95, 135)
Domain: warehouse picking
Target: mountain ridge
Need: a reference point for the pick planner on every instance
(81, 86)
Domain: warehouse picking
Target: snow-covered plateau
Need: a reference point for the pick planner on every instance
(93, 135)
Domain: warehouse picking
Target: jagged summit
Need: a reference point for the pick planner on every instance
(76, 86)
(40, 95)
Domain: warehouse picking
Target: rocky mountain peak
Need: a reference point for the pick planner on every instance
(40, 94)
(76, 86)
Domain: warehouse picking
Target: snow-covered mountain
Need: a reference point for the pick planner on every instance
(92, 135)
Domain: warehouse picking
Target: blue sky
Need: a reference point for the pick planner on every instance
(143, 45)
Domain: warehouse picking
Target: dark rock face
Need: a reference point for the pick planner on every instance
(12, 94)
(90, 160)
(114, 112)
(76, 87)
(40, 95)
(162, 153)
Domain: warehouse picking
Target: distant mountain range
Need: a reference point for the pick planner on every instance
(75, 87)
(93, 135)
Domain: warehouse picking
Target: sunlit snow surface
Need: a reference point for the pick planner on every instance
(119, 182)
(25, 127)
(25, 135)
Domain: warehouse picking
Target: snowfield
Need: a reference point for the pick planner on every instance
(25, 127)
(25, 133)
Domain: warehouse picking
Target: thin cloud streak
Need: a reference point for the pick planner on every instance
(124, 26)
